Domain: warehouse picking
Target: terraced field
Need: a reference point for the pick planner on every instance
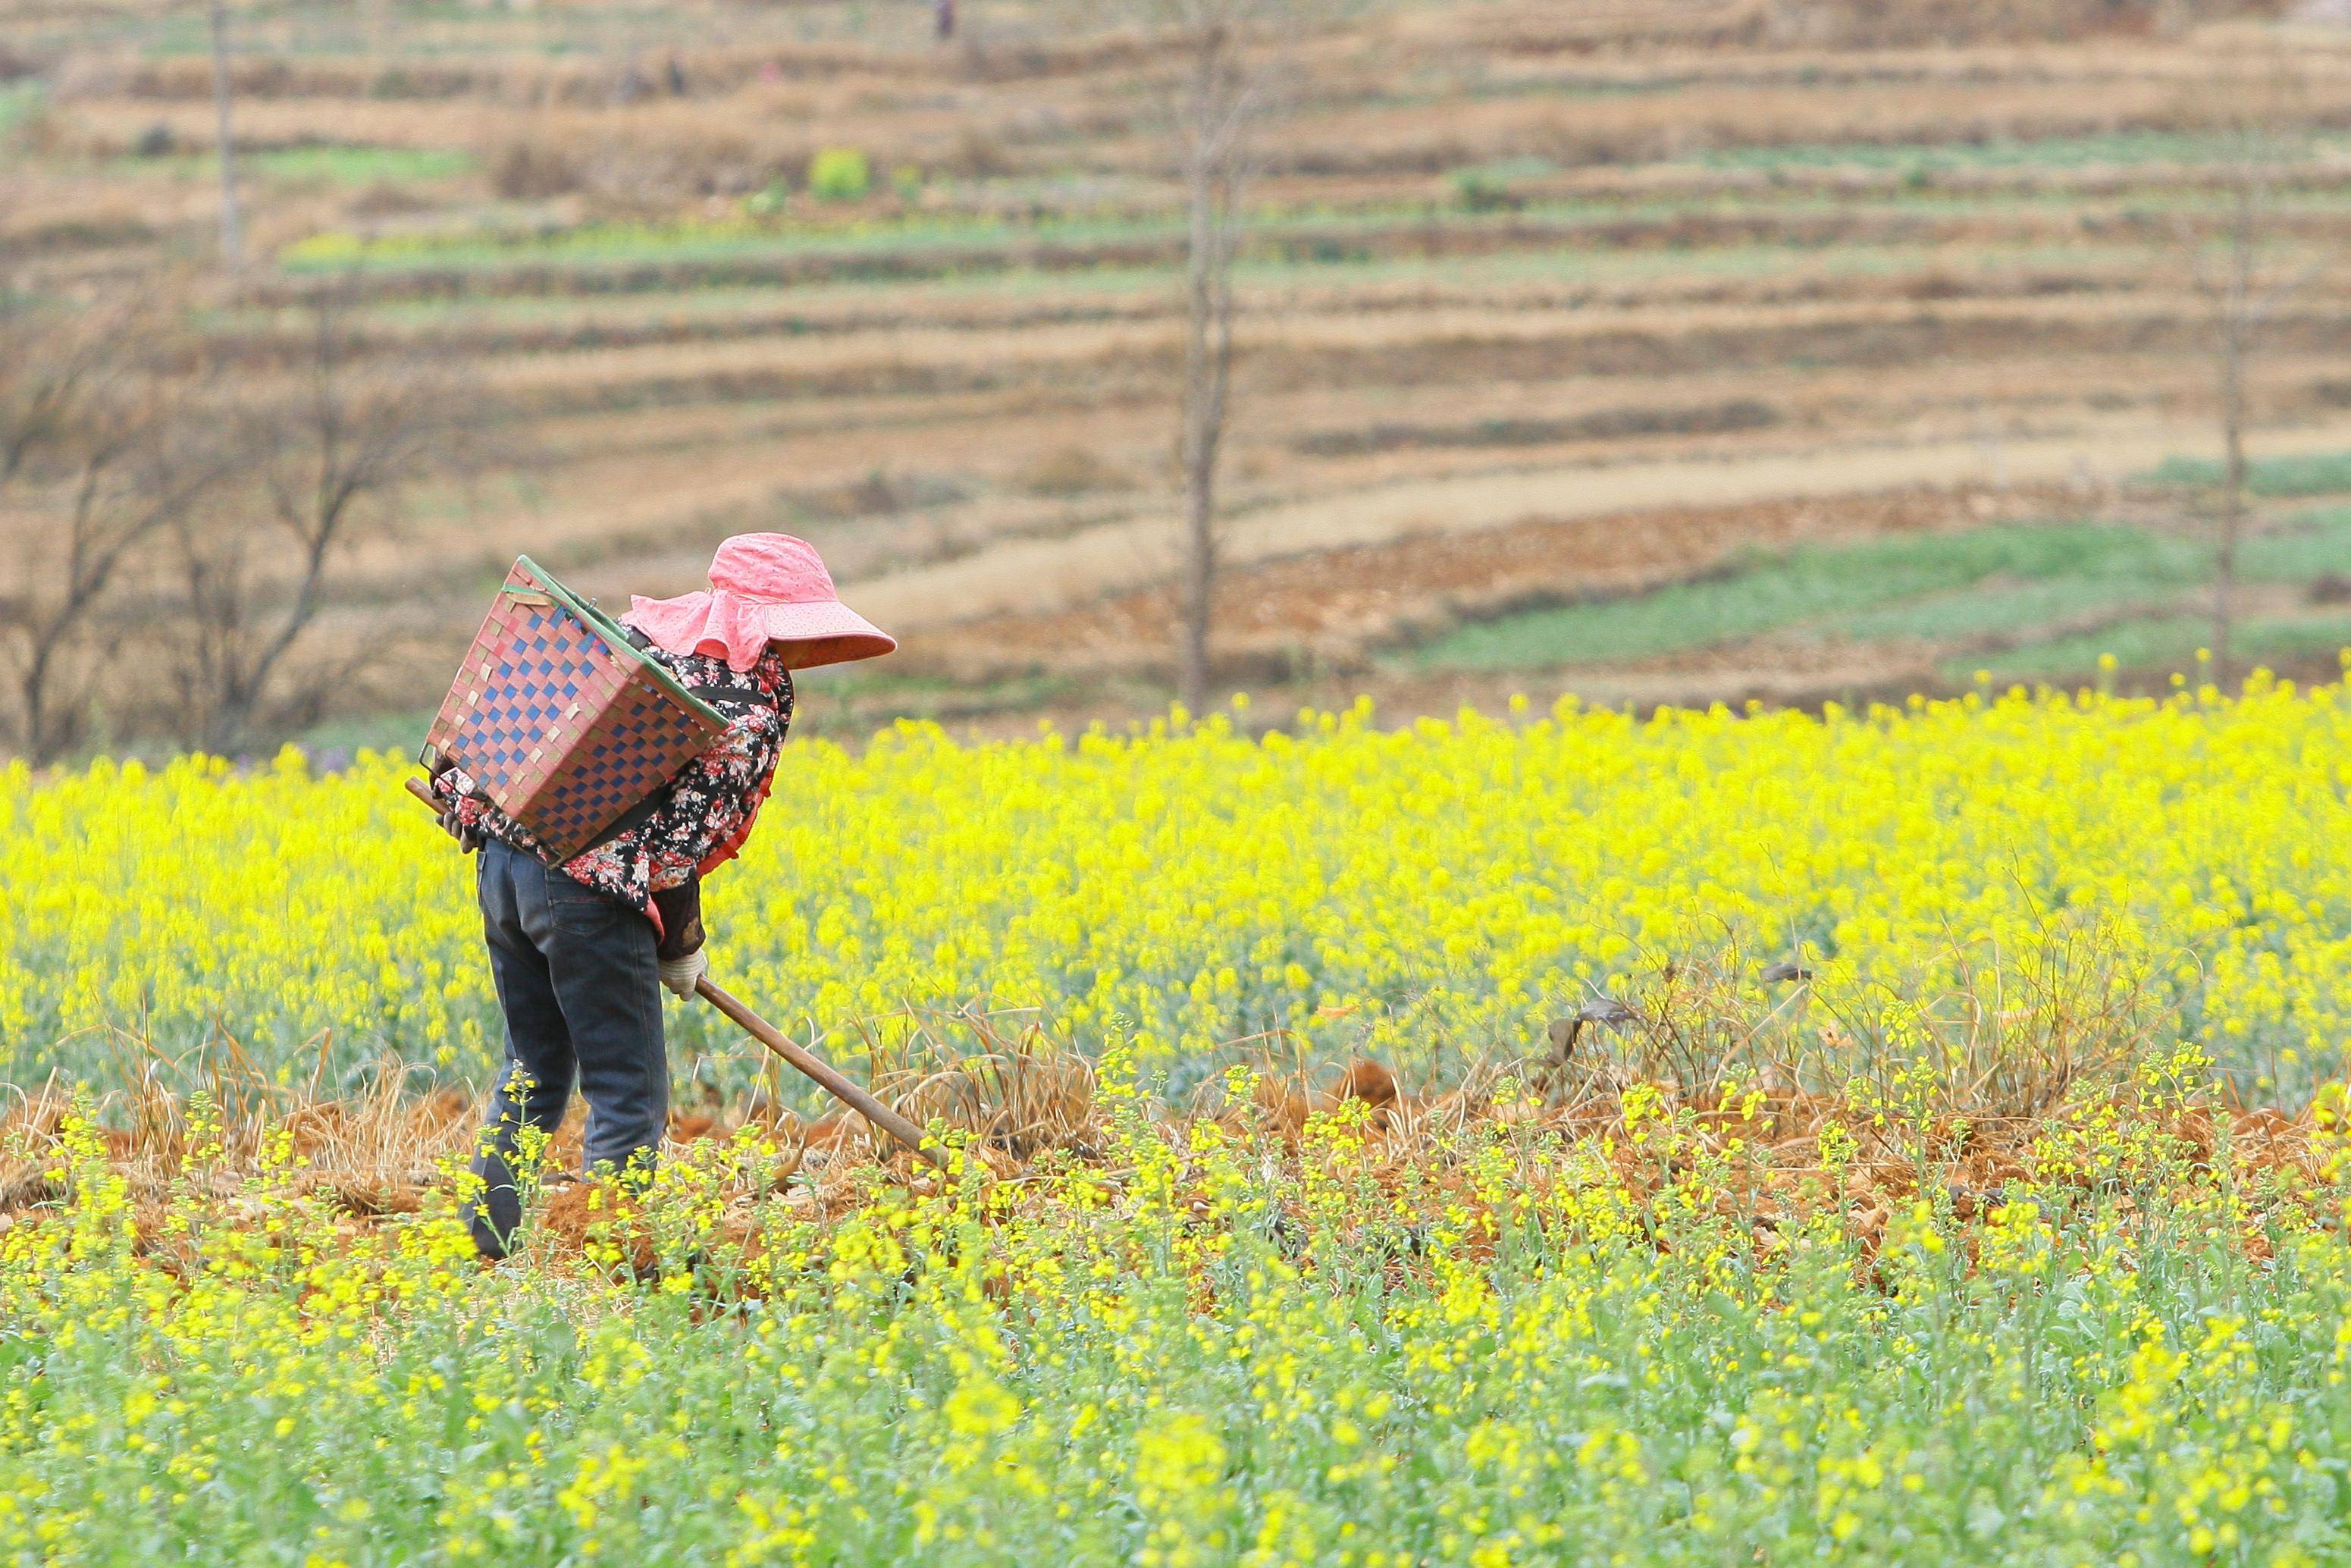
(1560, 322)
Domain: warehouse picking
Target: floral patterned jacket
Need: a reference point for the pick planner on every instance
(699, 818)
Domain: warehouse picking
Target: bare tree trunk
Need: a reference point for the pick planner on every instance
(41, 745)
(111, 522)
(232, 236)
(2237, 312)
(2265, 131)
(2233, 501)
(1213, 110)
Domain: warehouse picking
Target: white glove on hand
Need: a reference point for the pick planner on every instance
(680, 973)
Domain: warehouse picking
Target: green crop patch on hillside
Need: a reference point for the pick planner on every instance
(689, 240)
(1981, 582)
(2155, 574)
(360, 165)
(18, 101)
(2300, 548)
(2303, 474)
(323, 164)
(1493, 180)
(1832, 587)
(2120, 147)
(1309, 233)
(2002, 603)
(2159, 641)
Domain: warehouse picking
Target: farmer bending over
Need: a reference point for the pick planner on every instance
(581, 950)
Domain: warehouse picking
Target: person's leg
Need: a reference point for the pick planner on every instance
(607, 978)
(536, 1084)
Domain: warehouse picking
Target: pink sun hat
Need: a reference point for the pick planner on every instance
(764, 588)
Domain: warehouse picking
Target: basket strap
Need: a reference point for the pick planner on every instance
(736, 701)
(722, 700)
(635, 817)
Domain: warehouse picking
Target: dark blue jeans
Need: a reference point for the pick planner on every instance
(581, 987)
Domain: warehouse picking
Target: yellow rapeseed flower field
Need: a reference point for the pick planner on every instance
(1659, 1341)
(1970, 1304)
(1443, 887)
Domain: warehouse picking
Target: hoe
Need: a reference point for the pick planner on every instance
(804, 1060)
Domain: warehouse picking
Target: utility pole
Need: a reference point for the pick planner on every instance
(232, 239)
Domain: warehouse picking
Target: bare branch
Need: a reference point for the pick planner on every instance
(2229, 260)
(330, 456)
(97, 455)
(1222, 48)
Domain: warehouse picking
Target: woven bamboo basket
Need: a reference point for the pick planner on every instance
(559, 720)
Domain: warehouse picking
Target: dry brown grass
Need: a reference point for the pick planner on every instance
(1780, 1154)
(373, 1151)
(992, 1074)
(1957, 1086)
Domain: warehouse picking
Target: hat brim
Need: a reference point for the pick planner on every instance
(824, 633)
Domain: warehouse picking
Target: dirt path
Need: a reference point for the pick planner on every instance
(1040, 575)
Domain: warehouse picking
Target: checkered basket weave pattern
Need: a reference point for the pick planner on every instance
(560, 722)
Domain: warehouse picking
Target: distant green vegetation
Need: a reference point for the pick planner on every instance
(1313, 232)
(2155, 643)
(1811, 584)
(2002, 603)
(317, 165)
(18, 102)
(1973, 583)
(2310, 474)
(397, 31)
(2299, 548)
(2051, 152)
(703, 239)
(1480, 184)
(360, 165)
(398, 732)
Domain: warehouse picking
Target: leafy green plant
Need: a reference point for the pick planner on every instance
(838, 174)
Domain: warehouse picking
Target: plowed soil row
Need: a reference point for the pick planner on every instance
(1137, 361)
(489, 329)
(1436, 235)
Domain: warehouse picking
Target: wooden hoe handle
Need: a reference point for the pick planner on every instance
(802, 1059)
